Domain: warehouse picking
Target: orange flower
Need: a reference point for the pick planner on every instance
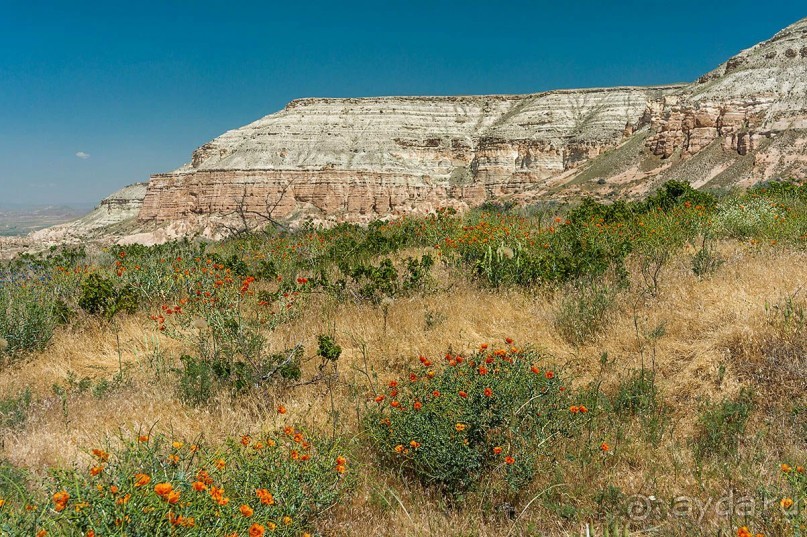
(509, 460)
(785, 468)
(256, 530)
(483, 370)
(173, 497)
(41, 533)
(163, 489)
(574, 409)
(379, 398)
(177, 445)
(173, 458)
(60, 500)
(583, 409)
(265, 496)
(550, 375)
(399, 448)
(198, 486)
(786, 503)
(341, 460)
(436, 393)
(535, 370)
(459, 427)
(281, 409)
(463, 394)
(141, 480)
(246, 510)
(245, 440)
(340, 468)
(287, 520)
(220, 464)
(488, 392)
(102, 455)
(418, 405)
(497, 450)
(604, 447)
(95, 470)
(483, 346)
(508, 340)
(414, 444)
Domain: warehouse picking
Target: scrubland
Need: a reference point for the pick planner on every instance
(636, 368)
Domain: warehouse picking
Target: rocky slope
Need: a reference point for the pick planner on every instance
(358, 159)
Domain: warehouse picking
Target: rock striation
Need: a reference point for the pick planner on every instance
(360, 159)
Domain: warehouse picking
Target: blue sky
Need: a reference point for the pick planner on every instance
(97, 95)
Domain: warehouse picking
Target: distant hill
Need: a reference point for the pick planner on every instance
(17, 220)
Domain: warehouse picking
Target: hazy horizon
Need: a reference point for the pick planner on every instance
(97, 96)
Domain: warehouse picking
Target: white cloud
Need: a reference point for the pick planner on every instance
(82, 155)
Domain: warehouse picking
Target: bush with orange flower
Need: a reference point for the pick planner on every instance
(487, 413)
(155, 487)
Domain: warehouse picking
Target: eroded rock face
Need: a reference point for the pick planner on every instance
(755, 95)
(360, 159)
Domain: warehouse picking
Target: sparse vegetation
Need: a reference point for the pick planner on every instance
(632, 374)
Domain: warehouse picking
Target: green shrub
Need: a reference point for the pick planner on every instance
(485, 415)
(747, 217)
(327, 348)
(280, 482)
(705, 261)
(721, 426)
(583, 311)
(100, 296)
(28, 317)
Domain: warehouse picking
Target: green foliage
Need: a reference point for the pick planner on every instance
(705, 261)
(163, 488)
(721, 427)
(377, 282)
(488, 415)
(327, 348)
(100, 296)
(676, 193)
(28, 317)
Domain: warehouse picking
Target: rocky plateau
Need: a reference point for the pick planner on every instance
(332, 160)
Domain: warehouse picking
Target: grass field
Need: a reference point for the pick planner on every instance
(635, 368)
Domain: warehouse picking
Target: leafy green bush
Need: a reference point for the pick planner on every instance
(28, 317)
(100, 296)
(275, 484)
(485, 415)
(747, 217)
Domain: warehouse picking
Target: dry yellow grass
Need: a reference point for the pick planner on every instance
(702, 319)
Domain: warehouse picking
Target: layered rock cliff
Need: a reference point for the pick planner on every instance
(358, 159)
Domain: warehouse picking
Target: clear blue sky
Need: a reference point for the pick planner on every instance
(134, 87)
